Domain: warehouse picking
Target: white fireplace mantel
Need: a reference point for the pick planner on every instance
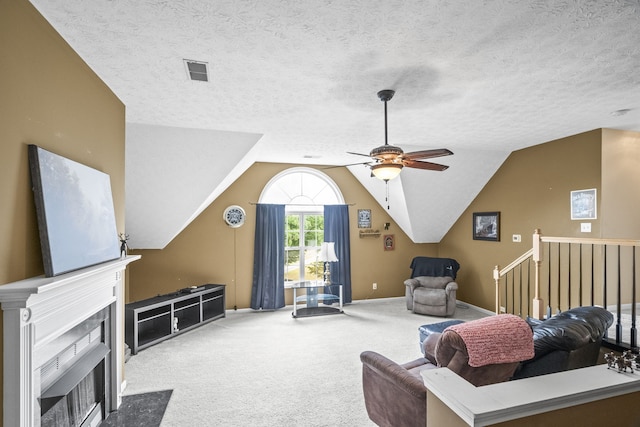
(36, 311)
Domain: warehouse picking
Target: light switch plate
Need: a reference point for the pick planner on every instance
(585, 227)
(516, 238)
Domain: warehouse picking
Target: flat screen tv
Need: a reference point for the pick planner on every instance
(76, 218)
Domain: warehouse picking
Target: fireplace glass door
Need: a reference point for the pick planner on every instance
(81, 407)
(75, 389)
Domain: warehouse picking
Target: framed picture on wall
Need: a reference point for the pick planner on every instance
(584, 204)
(389, 242)
(486, 226)
(364, 218)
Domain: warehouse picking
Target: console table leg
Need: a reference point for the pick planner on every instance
(295, 306)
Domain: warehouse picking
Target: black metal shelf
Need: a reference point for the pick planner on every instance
(156, 319)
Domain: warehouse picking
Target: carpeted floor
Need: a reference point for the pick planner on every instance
(269, 369)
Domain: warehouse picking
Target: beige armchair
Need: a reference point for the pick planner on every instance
(434, 296)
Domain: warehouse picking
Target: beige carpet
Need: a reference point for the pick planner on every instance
(269, 369)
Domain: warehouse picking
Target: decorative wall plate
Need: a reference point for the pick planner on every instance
(234, 216)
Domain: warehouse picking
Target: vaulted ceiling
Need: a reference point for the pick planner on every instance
(296, 82)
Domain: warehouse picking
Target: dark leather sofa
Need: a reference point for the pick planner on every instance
(395, 394)
(569, 340)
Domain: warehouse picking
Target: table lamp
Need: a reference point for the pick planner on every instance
(327, 255)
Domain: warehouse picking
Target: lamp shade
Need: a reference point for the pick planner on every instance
(386, 171)
(328, 252)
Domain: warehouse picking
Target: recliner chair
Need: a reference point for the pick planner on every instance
(395, 395)
(434, 296)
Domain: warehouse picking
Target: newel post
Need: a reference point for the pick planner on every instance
(538, 304)
(496, 277)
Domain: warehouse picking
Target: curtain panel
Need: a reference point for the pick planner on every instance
(267, 292)
(336, 229)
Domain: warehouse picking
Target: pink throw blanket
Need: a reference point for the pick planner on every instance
(503, 338)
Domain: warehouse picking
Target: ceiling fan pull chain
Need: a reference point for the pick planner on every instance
(386, 182)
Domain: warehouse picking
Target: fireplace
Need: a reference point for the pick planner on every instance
(82, 406)
(74, 381)
(64, 347)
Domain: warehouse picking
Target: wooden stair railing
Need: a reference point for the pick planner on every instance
(567, 272)
(498, 273)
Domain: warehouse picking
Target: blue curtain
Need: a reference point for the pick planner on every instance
(336, 229)
(267, 292)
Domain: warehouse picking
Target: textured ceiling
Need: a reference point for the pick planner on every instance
(297, 82)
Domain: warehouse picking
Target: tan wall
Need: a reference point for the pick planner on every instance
(51, 98)
(530, 190)
(620, 183)
(204, 251)
(615, 411)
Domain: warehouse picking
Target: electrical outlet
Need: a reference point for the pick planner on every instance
(503, 309)
(375, 286)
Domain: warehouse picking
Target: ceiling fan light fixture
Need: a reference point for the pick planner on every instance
(386, 171)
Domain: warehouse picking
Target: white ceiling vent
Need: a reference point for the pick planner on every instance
(197, 70)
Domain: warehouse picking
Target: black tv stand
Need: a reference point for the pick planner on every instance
(153, 320)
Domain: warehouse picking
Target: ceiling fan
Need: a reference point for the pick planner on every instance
(388, 160)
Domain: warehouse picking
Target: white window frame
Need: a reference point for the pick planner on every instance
(303, 191)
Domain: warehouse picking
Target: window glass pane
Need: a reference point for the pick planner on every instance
(314, 233)
(292, 231)
(314, 267)
(291, 264)
(314, 236)
(292, 249)
(304, 234)
(302, 186)
(293, 222)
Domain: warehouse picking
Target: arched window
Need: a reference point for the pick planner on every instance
(304, 192)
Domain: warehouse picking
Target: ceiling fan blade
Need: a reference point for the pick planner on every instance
(350, 164)
(358, 154)
(424, 165)
(427, 154)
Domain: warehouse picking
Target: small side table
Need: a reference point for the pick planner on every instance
(311, 298)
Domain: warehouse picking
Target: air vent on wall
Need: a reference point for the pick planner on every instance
(197, 70)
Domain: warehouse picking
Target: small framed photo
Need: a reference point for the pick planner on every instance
(486, 226)
(389, 242)
(584, 204)
(364, 218)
